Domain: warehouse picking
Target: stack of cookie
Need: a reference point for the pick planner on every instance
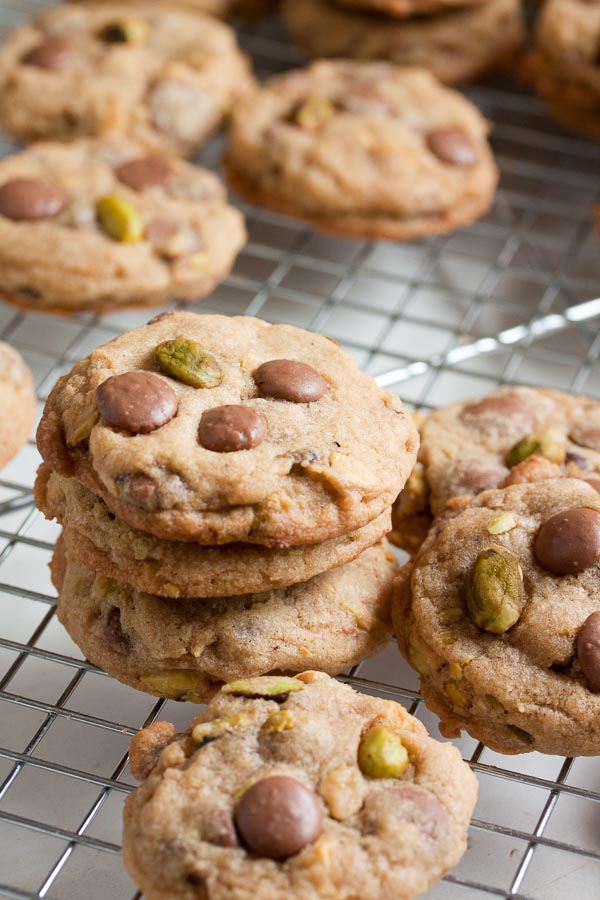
(224, 486)
(458, 40)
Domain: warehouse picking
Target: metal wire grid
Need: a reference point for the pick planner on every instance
(506, 301)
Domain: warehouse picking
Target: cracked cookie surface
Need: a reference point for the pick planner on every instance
(247, 760)
(184, 649)
(164, 76)
(500, 614)
(100, 225)
(279, 472)
(369, 149)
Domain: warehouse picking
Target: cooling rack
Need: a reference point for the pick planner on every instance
(509, 300)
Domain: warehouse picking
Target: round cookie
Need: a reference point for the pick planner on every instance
(184, 649)
(403, 9)
(278, 472)
(479, 443)
(165, 76)
(494, 612)
(95, 537)
(17, 402)
(101, 225)
(457, 46)
(261, 796)
(563, 63)
(366, 149)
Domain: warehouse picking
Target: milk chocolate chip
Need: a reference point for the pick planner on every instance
(288, 379)
(54, 53)
(503, 412)
(145, 172)
(227, 429)
(586, 437)
(29, 200)
(453, 146)
(278, 817)
(569, 542)
(137, 402)
(588, 650)
(476, 480)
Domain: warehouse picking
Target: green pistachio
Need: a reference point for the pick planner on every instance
(313, 112)
(177, 684)
(119, 219)
(188, 362)
(495, 595)
(381, 754)
(126, 31)
(541, 444)
(264, 686)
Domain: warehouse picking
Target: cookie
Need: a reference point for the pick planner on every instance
(217, 430)
(563, 63)
(251, 9)
(184, 649)
(317, 792)
(17, 402)
(476, 444)
(165, 76)
(94, 536)
(500, 614)
(404, 8)
(365, 149)
(457, 46)
(101, 225)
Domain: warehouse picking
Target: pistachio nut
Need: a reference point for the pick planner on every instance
(264, 686)
(542, 444)
(186, 361)
(456, 695)
(381, 754)
(119, 219)
(177, 684)
(82, 428)
(313, 112)
(495, 595)
(282, 720)
(216, 727)
(502, 523)
(126, 31)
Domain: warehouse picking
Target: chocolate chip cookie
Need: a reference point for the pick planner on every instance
(563, 65)
(500, 614)
(303, 789)
(94, 536)
(459, 45)
(477, 444)
(164, 76)
(367, 149)
(217, 430)
(17, 402)
(100, 225)
(184, 649)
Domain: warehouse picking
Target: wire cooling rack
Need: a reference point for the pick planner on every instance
(509, 300)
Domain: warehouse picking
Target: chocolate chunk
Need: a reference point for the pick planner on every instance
(145, 172)
(504, 413)
(114, 635)
(569, 542)
(575, 458)
(227, 429)
(585, 436)
(137, 402)
(220, 830)
(29, 200)
(453, 146)
(476, 480)
(595, 483)
(588, 650)
(278, 816)
(54, 53)
(160, 489)
(288, 379)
